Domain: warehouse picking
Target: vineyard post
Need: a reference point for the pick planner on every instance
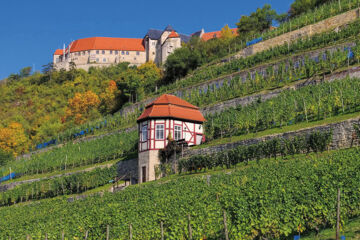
(62, 235)
(27, 237)
(10, 172)
(338, 215)
(189, 227)
(225, 227)
(107, 232)
(130, 231)
(162, 230)
(46, 236)
(86, 234)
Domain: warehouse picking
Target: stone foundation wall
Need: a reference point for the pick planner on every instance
(342, 138)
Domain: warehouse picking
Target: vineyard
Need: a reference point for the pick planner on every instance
(74, 155)
(315, 41)
(49, 188)
(310, 103)
(277, 76)
(269, 199)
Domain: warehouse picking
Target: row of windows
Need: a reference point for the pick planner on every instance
(104, 51)
(160, 133)
(105, 60)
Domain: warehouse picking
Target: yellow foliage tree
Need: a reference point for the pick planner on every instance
(108, 98)
(13, 139)
(80, 106)
(226, 33)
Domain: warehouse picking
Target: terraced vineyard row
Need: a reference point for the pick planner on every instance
(75, 155)
(272, 199)
(309, 103)
(49, 188)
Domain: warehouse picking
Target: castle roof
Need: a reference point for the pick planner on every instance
(170, 106)
(58, 52)
(216, 34)
(107, 43)
(169, 28)
(173, 34)
(155, 34)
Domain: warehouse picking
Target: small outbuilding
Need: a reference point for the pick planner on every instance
(167, 115)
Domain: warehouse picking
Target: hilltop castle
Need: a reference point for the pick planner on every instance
(156, 46)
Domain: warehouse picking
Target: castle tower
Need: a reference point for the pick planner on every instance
(168, 114)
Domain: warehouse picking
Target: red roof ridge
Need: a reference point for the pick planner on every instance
(168, 105)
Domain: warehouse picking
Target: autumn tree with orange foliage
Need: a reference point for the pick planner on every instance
(109, 98)
(81, 107)
(13, 139)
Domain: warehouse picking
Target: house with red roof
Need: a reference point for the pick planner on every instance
(167, 116)
(211, 35)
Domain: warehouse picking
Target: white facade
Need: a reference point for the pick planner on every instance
(153, 136)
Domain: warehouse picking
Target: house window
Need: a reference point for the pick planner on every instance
(144, 134)
(138, 53)
(97, 51)
(116, 52)
(177, 132)
(110, 51)
(127, 52)
(159, 132)
(103, 51)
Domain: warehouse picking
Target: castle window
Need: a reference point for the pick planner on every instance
(153, 43)
(97, 60)
(122, 52)
(127, 52)
(110, 51)
(177, 132)
(144, 134)
(153, 53)
(134, 58)
(116, 52)
(138, 53)
(103, 51)
(159, 132)
(83, 53)
(104, 59)
(97, 51)
(89, 52)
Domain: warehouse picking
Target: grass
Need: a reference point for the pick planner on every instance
(272, 131)
(351, 230)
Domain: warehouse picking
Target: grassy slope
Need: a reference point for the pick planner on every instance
(351, 230)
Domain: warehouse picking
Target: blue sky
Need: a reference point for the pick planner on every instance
(30, 31)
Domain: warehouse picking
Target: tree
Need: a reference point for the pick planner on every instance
(13, 139)
(25, 72)
(300, 6)
(226, 33)
(5, 157)
(257, 21)
(109, 98)
(81, 107)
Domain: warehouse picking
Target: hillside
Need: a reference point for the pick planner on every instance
(281, 136)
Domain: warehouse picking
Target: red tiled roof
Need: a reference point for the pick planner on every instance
(59, 52)
(171, 106)
(173, 34)
(107, 43)
(217, 34)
